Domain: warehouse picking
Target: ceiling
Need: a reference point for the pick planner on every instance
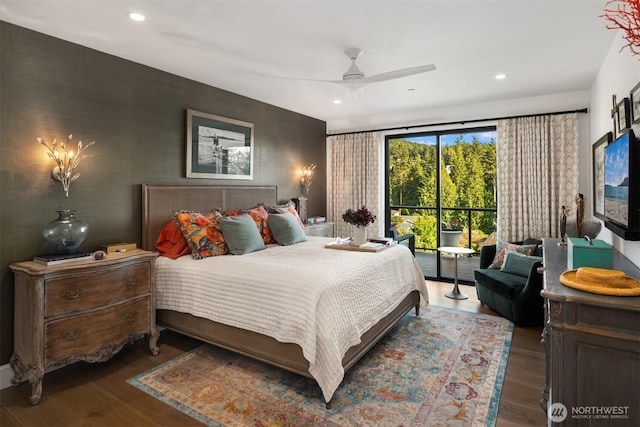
(264, 49)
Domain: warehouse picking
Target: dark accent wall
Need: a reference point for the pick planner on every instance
(136, 114)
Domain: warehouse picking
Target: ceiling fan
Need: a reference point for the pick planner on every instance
(355, 79)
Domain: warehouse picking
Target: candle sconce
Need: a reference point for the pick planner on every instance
(307, 175)
(66, 160)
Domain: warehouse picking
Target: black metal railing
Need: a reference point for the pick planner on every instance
(438, 215)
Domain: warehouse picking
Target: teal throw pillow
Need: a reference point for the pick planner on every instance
(241, 234)
(286, 229)
(519, 264)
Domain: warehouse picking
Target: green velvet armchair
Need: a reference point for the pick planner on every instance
(514, 296)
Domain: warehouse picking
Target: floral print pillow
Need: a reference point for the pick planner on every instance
(202, 232)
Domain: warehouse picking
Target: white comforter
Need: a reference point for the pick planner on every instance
(321, 299)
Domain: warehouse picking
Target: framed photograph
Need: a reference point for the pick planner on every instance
(218, 147)
(635, 104)
(623, 116)
(598, 174)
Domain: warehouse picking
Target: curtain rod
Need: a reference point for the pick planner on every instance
(582, 110)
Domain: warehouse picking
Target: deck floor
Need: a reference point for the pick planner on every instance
(466, 266)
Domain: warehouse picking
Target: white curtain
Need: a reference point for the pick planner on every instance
(537, 173)
(354, 178)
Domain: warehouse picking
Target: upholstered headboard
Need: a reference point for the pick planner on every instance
(159, 202)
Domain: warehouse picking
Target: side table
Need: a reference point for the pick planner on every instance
(82, 310)
(455, 292)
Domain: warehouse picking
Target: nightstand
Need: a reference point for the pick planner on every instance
(324, 229)
(82, 310)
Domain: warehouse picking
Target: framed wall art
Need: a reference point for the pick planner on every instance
(635, 104)
(598, 174)
(218, 147)
(623, 116)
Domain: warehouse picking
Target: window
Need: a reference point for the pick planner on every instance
(453, 204)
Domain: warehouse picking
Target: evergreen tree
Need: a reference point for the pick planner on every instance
(467, 180)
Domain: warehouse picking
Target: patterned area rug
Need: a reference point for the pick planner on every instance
(444, 368)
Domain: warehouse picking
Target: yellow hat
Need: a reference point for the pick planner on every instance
(601, 281)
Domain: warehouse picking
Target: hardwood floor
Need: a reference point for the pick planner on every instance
(97, 394)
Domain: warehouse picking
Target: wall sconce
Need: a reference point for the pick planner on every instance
(66, 161)
(307, 174)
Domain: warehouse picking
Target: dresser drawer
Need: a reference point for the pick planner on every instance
(81, 292)
(86, 333)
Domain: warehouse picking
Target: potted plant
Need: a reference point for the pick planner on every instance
(450, 232)
(361, 218)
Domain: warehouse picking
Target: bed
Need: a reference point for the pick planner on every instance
(291, 348)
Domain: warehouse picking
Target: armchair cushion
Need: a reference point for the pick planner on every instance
(517, 263)
(506, 284)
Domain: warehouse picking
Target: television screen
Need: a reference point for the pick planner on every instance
(616, 180)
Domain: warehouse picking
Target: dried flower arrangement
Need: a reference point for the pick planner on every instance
(360, 218)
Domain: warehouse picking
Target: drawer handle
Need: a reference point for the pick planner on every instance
(71, 294)
(70, 336)
(132, 316)
(130, 282)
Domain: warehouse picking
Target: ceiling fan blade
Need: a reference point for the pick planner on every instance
(390, 75)
(314, 80)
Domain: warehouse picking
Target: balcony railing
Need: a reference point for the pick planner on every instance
(428, 236)
(474, 237)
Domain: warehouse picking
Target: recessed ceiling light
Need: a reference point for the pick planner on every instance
(135, 16)
(501, 76)
(411, 90)
(337, 101)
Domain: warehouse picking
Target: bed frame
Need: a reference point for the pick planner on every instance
(159, 202)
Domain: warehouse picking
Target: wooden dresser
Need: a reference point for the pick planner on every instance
(83, 310)
(592, 345)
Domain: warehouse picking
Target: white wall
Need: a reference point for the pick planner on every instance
(618, 74)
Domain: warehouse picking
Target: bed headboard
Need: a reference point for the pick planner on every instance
(159, 202)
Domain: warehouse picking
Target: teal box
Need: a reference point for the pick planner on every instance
(582, 254)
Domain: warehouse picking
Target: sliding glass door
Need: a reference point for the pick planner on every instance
(441, 187)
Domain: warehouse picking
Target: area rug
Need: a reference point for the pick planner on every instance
(444, 368)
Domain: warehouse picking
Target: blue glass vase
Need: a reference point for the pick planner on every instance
(66, 232)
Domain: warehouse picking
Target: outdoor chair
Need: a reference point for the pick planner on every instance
(408, 240)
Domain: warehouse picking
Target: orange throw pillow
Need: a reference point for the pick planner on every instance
(171, 242)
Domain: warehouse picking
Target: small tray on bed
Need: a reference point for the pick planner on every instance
(367, 247)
